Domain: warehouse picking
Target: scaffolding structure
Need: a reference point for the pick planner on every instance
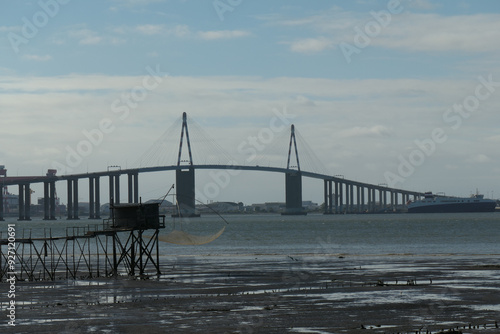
(105, 250)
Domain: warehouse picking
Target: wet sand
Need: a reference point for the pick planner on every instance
(273, 294)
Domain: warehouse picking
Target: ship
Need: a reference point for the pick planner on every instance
(438, 203)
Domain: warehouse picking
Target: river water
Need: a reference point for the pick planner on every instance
(460, 234)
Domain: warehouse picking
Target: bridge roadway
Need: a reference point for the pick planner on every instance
(342, 202)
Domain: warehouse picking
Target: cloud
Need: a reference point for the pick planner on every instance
(222, 34)
(151, 29)
(137, 2)
(374, 131)
(422, 4)
(9, 28)
(408, 31)
(469, 33)
(494, 139)
(180, 30)
(479, 158)
(37, 57)
(84, 36)
(353, 122)
(311, 45)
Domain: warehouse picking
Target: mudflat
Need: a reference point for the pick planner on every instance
(273, 294)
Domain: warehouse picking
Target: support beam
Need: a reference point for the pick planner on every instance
(21, 202)
(337, 197)
(325, 197)
(46, 201)
(27, 202)
(69, 207)
(363, 199)
(97, 198)
(133, 188)
(111, 189)
(351, 192)
(293, 190)
(347, 198)
(358, 198)
(52, 200)
(117, 189)
(330, 196)
(185, 184)
(91, 198)
(130, 188)
(341, 197)
(75, 199)
(1, 203)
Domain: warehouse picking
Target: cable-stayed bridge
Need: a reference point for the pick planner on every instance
(340, 195)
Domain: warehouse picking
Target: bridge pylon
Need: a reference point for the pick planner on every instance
(293, 181)
(185, 179)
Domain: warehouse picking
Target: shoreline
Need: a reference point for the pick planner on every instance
(274, 294)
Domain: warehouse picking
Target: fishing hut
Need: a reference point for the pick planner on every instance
(117, 246)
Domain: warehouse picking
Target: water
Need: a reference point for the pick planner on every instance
(460, 234)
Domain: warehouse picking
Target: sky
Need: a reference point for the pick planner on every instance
(401, 93)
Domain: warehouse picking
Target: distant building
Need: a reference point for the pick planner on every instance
(310, 206)
(221, 207)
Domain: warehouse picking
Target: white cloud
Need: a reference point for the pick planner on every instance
(373, 131)
(151, 29)
(37, 57)
(479, 158)
(408, 31)
(422, 4)
(161, 29)
(432, 32)
(137, 2)
(222, 34)
(494, 139)
(82, 36)
(9, 28)
(311, 45)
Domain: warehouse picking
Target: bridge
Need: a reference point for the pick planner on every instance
(340, 195)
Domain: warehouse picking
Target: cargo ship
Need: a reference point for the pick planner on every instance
(436, 203)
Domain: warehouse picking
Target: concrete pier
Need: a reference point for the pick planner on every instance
(94, 198)
(1, 203)
(133, 187)
(185, 193)
(293, 194)
(24, 201)
(49, 200)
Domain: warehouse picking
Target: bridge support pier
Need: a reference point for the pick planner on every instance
(24, 201)
(293, 194)
(351, 200)
(358, 199)
(370, 201)
(94, 198)
(347, 198)
(72, 199)
(185, 193)
(363, 203)
(338, 196)
(1, 203)
(133, 188)
(49, 200)
(328, 195)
